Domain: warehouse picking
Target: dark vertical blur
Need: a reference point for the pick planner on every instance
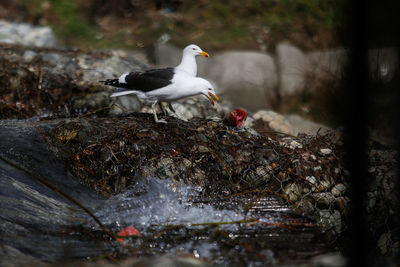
(355, 122)
(367, 25)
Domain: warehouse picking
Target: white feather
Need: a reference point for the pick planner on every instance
(121, 78)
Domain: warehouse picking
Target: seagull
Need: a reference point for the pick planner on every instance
(188, 62)
(158, 85)
(154, 79)
(189, 65)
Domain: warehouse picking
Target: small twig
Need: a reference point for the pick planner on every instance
(109, 147)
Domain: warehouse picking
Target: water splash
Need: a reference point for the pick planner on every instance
(160, 202)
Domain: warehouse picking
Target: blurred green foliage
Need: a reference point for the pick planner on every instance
(217, 24)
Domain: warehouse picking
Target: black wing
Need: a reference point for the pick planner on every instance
(144, 81)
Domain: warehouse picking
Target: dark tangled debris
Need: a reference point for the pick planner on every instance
(109, 154)
(53, 83)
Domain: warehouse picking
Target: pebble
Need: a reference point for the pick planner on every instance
(311, 180)
(203, 149)
(29, 56)
(330, 221)
(338, 190)
(325, 198)
(325, 151)
(342, 203)
(292, 192)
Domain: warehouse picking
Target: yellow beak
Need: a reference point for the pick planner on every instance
(204, 54)
(210, 98)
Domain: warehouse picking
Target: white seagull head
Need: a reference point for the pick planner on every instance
(205, 88)
(195, 50)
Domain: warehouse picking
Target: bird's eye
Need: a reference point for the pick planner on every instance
(209, 89)
(194, 48)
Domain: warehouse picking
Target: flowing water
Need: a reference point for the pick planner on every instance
(39, 224)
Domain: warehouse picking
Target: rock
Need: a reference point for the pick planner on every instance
(125, 104)
(338, 190)
(167, 55)
(29, 56)
(292, 69)
(325, 151)
(292, 191)
(236, 72)
(203, 149)
(384, 243)
(275, 121)
(324, 199)
(330, 221)
(323, 185)
(26, 34)
(371, 200)
(289, 143)
(311, 180)
(343, 203)
(329, 260)
(57, 82)
(301, 125)
(59, 62)
(91, 102)
(306, 206)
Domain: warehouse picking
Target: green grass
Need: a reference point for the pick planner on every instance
(210, 23)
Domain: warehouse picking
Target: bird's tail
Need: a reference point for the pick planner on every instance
(112, 82)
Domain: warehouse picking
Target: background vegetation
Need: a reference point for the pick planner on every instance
(251, 24)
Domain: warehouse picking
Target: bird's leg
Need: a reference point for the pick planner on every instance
(171, 108)
(155, 114)
(163, 108)
(176, 113)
